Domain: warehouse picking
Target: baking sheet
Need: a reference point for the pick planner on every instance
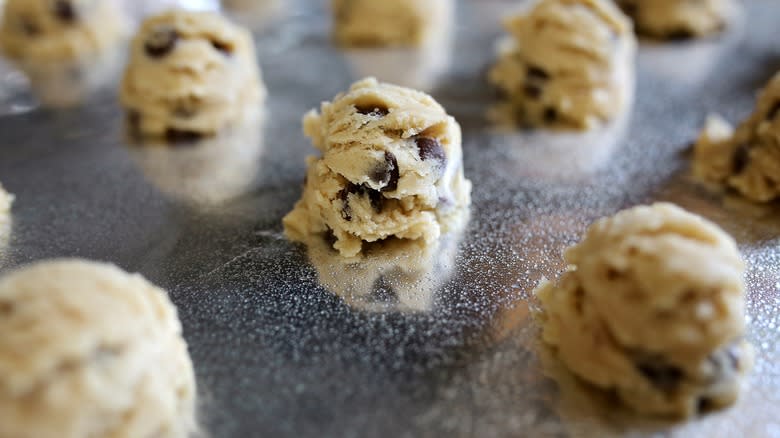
(276, 354)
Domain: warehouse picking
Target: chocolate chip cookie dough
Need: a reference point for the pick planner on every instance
(371, 23)
(390, 167)
(102, 355)
(569, 64)
(652, 308)
(54, 31)
(190, 74)
(748, 159)
(678, 19)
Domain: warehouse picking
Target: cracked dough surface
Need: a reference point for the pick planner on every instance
(748, 159)
(391, 166)
(678, 19)
(43, 31)
(652, 307)
(388, 23)
(190, 74)
(102, 355)
(568, 64)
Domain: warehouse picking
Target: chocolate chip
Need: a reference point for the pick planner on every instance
(664, 376)
(329, 237)
(372, 110)
(537, 73)
(680, 35)
(386, 174)
(375, 197)
(550, 114)
(29, 27)
(224, 48)
(430, 149)
(704, 404)
(161, 41)
(774, 111)
(533, 91)
(182, 136)
(740, 159)
(65, 11)
(630, 9)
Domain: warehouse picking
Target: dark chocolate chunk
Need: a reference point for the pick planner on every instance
(65, 11)
(329, 238)
(372, 110)
(704, 404)
(29, 27)
(550, 114)
(533, 91)
(182, 136)
(774, 111)
(375, 197)
(224, 48)
(741, 158)
(680, 35)
(161, 42)
(386, 174)
(664, 376)
(346, 212)
(430, 149)
(537, 73)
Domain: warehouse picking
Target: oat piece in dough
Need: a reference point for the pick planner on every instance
(678, 19)
(89, 350)
(61, 31)
(372, 23)
(748, 159)
(190, 74)
(652, 307)
(390, 167)
(569, 64)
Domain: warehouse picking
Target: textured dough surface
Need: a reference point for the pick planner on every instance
(569, 64)
(678, 19)
(91, 351)
(38, 31)
(748, 159)
(190, 73)
(390, 166)
(388, 23)
(652, 307)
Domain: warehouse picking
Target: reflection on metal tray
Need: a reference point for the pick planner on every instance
(276, 354)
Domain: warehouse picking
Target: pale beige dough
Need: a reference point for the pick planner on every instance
(89, 350)
(62, 31)
(190, 74)
(391, 166)
(392, 275)
(569, 64)
(652, 307)
(678, 19)
(748, 159)
(370, 23)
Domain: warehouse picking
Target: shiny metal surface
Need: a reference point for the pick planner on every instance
(276, 354)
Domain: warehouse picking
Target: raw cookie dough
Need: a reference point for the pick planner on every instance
(190, 74)
(747, 160)
(652, 308)
(392, 275)
(391, 167)
(372, 23)
(89, 350)
(678, 19)
(570, 64)
(54, 31)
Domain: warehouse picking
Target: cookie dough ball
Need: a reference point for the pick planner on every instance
(569, 64)
(54, 31)
(89, 350)
(371, 23)
(652, 307)
(747, 160)
(678, 19)
(190, 74)
(390, 167)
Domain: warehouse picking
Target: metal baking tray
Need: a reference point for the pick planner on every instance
(277, 354)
